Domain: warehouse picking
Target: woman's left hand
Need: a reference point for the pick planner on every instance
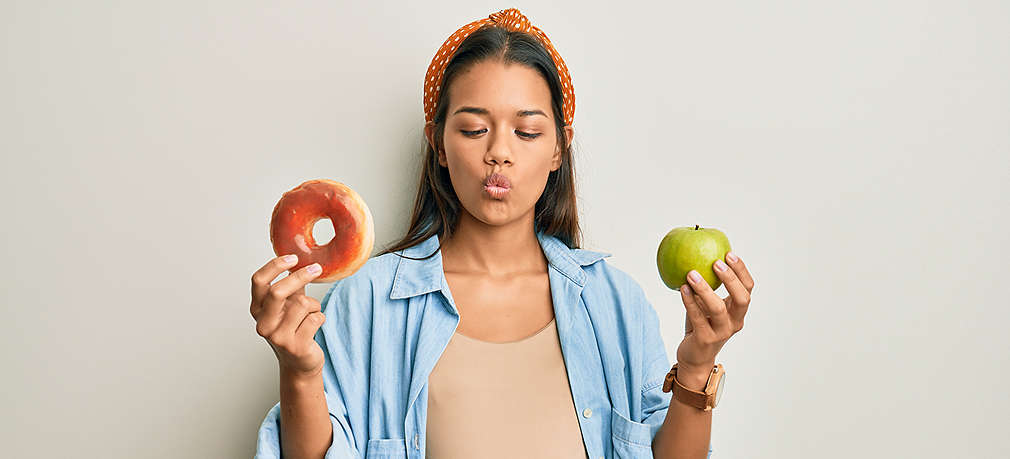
(711, 320)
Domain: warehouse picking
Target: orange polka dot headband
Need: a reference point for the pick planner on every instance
(511, 19)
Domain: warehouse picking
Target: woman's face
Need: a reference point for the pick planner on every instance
(499, 120)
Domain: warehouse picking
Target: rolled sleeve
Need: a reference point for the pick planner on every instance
(655, 402)
(268, 444)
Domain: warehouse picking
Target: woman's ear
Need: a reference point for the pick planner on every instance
(429, 134)
(556, 160)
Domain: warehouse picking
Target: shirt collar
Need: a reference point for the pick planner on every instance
(416, 277)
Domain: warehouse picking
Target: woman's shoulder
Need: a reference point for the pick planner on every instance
(376, 270)
(371, 279)
(605, 275)
(617, 287)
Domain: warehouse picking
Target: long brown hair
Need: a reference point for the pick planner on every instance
(436, 206)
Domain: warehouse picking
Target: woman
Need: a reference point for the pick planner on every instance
(486, 331)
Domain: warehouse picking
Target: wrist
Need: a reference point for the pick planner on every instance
(299, 379)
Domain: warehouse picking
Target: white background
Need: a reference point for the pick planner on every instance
(856, 154)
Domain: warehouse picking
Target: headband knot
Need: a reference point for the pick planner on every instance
(510, 19)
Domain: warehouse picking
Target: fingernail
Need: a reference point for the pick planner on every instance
(732, 257)
(288, 259)
(314, 268)
(694, 276)
(720, 265)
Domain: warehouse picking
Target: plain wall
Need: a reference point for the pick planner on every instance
(856, 154)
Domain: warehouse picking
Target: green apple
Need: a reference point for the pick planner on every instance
(686, 248)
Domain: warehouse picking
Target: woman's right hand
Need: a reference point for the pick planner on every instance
(288, 318)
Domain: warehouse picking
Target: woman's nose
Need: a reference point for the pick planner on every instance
(499, 151)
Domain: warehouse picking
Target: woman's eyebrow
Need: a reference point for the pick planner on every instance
(484, 111)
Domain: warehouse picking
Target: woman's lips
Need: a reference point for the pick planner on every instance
(497, 192)
(497, 185)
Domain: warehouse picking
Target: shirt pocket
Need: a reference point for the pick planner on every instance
(386, 448)
(631, 439)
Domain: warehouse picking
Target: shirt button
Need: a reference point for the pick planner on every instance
(601, 457)
(588, 412)
(416, 443)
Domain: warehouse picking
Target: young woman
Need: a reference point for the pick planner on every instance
(485, 331)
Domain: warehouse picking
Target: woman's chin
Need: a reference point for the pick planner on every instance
(495, 213)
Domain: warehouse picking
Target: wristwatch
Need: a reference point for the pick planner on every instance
(705, 400)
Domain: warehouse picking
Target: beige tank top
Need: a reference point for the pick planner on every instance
(502, 400)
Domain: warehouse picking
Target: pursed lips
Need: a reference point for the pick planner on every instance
(497, 185)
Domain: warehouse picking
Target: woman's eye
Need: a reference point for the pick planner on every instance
(527, 135)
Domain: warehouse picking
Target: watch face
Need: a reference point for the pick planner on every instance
(718, 390)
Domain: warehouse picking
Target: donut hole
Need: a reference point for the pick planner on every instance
(322, 231)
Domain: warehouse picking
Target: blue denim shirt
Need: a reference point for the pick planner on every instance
(388, 324)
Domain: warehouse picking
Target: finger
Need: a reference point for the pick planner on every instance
(308, 328)
(278, 293)
(294, 283)
(695, 314)
(713, 304)
(738, 294)
(295, 311)
(262, 278)
(741, 271)
(688, 327)
(701, 304)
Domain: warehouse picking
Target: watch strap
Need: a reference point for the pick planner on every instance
(693, 398)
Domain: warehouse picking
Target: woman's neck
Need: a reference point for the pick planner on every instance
(476, 247)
